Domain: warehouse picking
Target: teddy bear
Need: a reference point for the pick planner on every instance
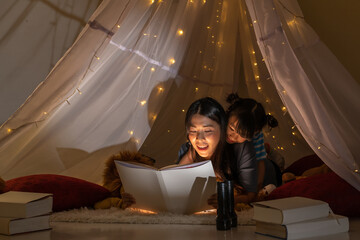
(112, 181)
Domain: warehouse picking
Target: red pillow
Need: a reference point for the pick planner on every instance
(303, 164)
(68, 192)
(342, 198)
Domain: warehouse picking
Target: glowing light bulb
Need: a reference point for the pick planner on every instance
(143, 103)
(208, 27)
(152, 1)
(293, 133)
(293, 144)
(45, 113)
(356, 170)
(9, 130)
(319, 147)
(257, 76)
(255, 64)
(161, 89)
(152, 69)
(183, 110)
(255, 21)
(196, 89)
(131, 132)
(98, 58)
(180, 32)
(253, 52)
(168, 130)
(259, 87)
(283, 109)
(172, 61)
(118, 26)
(138, 67)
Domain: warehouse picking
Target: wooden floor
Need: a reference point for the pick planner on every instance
(84, 231)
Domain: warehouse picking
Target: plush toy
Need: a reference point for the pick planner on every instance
(111, 178)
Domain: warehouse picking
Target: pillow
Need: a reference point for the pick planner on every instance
(342, 198)
(303, 164)
(68, 192)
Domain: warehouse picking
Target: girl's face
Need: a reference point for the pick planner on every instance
(232, 136)
(204, 135)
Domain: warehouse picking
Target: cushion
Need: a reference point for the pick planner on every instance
(303, 164)
(342, 198)
(68, 192)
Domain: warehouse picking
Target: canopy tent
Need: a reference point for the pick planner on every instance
(134, 69)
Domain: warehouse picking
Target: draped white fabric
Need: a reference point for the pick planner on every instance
(133, 71)
(320, 95)
(34, 35)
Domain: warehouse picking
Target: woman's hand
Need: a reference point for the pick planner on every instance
(127, 200)
(212, 201)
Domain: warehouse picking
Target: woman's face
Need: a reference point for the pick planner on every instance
(232, 136)
(204, 135)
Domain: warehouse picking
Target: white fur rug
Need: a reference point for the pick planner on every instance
(133, 216)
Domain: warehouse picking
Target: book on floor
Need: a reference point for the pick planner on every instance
(290, 210)
(332, 224)
(10, 226)
(25, 204)
(182, 189)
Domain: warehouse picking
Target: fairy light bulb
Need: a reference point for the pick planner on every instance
(131, 132)
(160, 89)
(118, 26)
(255, 64)
(168, 130)
(293, 133)
(180, 32)
(283, 109)
(183, 110)
(253, 52)
(196, 89)
(255, 21)
(172, 60)
(45, 113)
(356, 170)
(319, 147)
(259, 87)
(293, 144)
(273, 137)
(138, 67)
(257, 76)
(208, 27)
(97, 58)
(152, 69)
(79, 91)
(9, 130)
(152, 1)
(143, 103)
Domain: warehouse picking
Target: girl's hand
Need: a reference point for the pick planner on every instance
(127, 200)
(212, 201)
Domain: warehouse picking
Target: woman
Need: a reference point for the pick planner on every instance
(206, 126)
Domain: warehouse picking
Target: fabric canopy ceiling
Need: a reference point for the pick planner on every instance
(137, 65)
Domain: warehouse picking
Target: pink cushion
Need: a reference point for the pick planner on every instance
(343, 198)
(68, 192)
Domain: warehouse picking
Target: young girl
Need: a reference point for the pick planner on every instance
(206, 125)
(246, 119)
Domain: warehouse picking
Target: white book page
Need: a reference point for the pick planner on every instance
(143, 185)
(188, 189)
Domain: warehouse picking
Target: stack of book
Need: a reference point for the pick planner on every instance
(22, 212)
(297, 217)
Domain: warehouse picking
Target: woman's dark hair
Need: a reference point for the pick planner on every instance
(212, 109)
(250, 114)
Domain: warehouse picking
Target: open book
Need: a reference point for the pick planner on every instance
(180, 189)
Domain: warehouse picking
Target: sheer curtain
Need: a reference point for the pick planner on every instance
(320, 95)
(129, 78)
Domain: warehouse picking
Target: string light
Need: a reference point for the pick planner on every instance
(155, 36)
(180, 32)
(208, 27)
(293, 144)
(152, 69)
(196, 89)
(79, 91)
(9, 130)
(172, 61)
(319, 147)
(45, 113)
(253, 52)
(356, 170)
(293, 133)
(97, 58)
(259, 88)
(255, 21)
(183, 110)
(138, 67)
(152, 1)
(143, 102)
(168, 130)
(131, 132)
(160, 89)
(255, 64)
(283, 109)
(118, 26)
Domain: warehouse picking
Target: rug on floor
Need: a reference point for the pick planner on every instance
(134, 216)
